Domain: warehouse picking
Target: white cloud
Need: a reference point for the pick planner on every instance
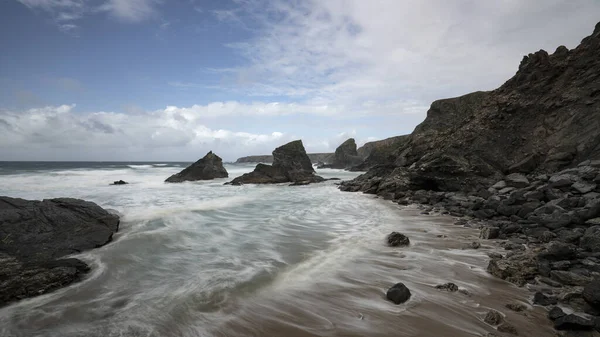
(60, 133)
(131, 10)
(67, 12)
(388, 53)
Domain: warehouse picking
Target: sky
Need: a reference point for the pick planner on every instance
(136, 80)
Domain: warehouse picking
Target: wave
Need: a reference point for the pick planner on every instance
(155, 212)
(140, 166)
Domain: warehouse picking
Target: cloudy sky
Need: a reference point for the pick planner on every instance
(171, 80)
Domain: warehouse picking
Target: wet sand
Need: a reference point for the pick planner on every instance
(355, 304)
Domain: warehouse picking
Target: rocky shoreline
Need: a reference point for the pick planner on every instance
(522, 163)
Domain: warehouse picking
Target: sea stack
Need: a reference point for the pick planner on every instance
(207, 168)
(290, 164)
(346, 155)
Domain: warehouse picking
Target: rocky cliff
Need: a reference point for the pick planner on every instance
(366, 150)
(545, 118)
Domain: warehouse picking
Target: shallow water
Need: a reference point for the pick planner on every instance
(203, 259)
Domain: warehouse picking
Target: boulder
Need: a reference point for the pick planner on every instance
(569, 278)
(543, 299)
(591, 293)
(517, 307)
(489, 233)
(558, 251)
(516, 180)
(451, 287)
(290, 164)
(519, 268)
(398, 293)
(493, 317)
(395, 239)
(583, 187)
(207, 168)
(499, 185)
(573, 322)
(590, 241)
(37, 234)
(508, 328)
(555, 313)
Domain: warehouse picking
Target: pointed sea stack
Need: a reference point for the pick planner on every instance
(290, 164)
(207, 168)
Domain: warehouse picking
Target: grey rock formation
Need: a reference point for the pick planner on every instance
(290, 164)
(345, 156)
(35, 235)
(207, 168)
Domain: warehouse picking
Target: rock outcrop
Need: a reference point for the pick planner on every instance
(207, 168)
(35, 235)
(345, 156)
(379, 152)
(290, 164)
(545, 118)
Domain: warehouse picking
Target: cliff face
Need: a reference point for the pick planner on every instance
(365, 150)
(545, 118)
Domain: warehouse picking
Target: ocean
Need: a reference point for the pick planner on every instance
(204, 259)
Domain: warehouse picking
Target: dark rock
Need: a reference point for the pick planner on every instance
(398, 293)
(451, 287)
(524, 166)
(346, 155)
(119, 182)
(37, 233)
(493, 317)
(590, 241)
(558, 251)
(290, 164)
(517, 307)
(550, 282)
(583, 187)
(516, 180)
(555, 313)
(207, 168)
(489, 233)
(544, 300)
(573, 322)
(519, 268)
(395, 239)
(569, 278)
(475, 245)
(508, 328)
(500, 185)
(591, 293)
